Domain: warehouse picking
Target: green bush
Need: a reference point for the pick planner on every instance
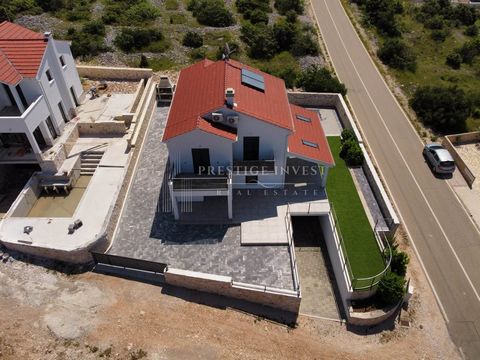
(284, 66)
(399, 262)
(305, 42)
(284, 33)
(51, 5)
(171, 5)
(143, 62)
(317, 79)
(396, 54)
(94, 28)
(129, 12)
(192, 39)
(86, 44)
(5, 14)
(469, 50)
(260, 40)
(471, 30)
(211, 13)
(391, 289)
(136, 39)
(142, 12)
(258, 16)
(454, 60)
(381, 14)
(246, 7)
(283, 6)
(445, 109)
(351, 152)
(348, 134)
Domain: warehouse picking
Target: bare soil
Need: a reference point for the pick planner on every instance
(47, 314)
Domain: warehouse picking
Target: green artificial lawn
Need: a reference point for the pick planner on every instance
(358, 239)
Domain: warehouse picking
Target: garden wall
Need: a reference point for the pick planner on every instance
(336, 101)
(113, 73)
(223, 285)
(450, 141)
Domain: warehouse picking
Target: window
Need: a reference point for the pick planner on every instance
(49, 123)
(49, 75)
(309, 143)
(64, 116)
(303, 118)
(22, 96)
(62, 61)
(251, 179)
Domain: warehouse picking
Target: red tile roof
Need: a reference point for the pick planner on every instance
(201, 89)
(21, 52)
(311, 132)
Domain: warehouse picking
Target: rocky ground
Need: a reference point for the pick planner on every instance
(51, 312)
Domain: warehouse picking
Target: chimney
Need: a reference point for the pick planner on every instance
(46, 35)
(230, 95)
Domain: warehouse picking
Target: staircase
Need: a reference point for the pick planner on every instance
(89, 161)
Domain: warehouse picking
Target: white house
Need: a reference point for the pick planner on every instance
(231, 126)
(39, 91)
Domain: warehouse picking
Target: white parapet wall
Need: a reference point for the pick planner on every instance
(223, 285)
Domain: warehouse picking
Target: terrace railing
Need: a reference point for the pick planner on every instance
(291, 250)
(257, 166)
(364, 283)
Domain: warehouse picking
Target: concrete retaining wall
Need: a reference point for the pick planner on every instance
(223, 285)
(450, 141)
(111, 128)
(26, 199)
(336, 101)
(372, 317)
(113, 73)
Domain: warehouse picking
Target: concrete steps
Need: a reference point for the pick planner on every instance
(89, 161)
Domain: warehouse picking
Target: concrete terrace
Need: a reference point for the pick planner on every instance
(148, 231)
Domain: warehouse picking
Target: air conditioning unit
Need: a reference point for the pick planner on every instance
(232, 120)
(217, 117)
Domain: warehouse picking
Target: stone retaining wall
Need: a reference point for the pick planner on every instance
(223, 285)
(113, 73)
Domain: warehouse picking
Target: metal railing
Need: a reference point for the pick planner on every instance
(291, 250)
(363, 283)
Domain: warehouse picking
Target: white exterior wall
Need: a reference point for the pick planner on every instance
(273, 145)
(180, 149)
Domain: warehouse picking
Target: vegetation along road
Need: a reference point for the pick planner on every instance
(445, 239)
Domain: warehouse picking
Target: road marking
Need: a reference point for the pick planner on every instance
(439, 302)
(403, 159)
(462, 205)
(401, 155)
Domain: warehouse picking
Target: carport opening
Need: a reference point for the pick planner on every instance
(12, 180)
(320, 295)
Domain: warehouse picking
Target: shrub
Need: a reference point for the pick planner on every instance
(260, 40)
(391, 289)
(94, 28)
(192, 39)
(284, 66)
(258, 16)
(443, 108)
(211, 13)
(351, 152)
(134, 39)
(381, 14)
(467, 15)
(471, 30)
(399, 262)
(469, 50)
(317, 79)
(51, 5)
(171, 5)
(5, 14)
(283, 6)
(87, 45)
(440, 35)
(454, 60)
(284, 33)
(143, 62)
(435, 23)
(348, 134)
(246, 7)
(305, 42)
(396, 54)
(141, 12)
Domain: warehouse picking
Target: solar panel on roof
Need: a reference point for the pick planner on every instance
(252, 79)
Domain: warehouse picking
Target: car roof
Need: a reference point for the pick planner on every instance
(443, 155)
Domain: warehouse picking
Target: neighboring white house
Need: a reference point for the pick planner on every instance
(39, 92)
(231, 126)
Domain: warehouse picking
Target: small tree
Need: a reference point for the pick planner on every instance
(471, 30)
(211, 12)
(192, 39)
(454, 60)
(143, 61)
(258, 16)
(396, 54)
(283, 6)
(391, 289)
(318, 79)
(399, 262)
(351, 152)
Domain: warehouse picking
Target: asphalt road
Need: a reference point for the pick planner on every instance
(443, 236)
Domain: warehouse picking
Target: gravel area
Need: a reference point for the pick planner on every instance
(470, 153)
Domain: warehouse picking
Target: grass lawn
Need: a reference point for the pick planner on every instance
(359, 242)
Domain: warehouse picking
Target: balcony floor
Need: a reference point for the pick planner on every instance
(10, 111)
(16, 155)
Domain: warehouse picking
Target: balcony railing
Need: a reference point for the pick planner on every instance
(200, 182)
(254, 166)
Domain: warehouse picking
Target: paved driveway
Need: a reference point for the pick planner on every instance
(443, 236)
